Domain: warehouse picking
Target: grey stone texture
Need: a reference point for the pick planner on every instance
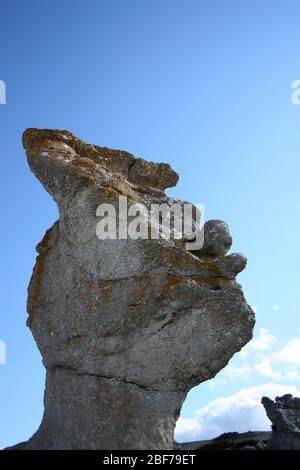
(125, 327)
(284, 414)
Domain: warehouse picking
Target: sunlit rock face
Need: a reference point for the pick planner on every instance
(126, 327)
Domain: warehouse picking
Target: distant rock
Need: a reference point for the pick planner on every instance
(251, 440)
(227, 435)
(284, 414)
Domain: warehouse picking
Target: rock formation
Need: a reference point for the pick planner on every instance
(126, 327)
(251, 440)
(284, 413)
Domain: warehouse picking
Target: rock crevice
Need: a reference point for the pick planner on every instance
(126, 327)
(106, 377)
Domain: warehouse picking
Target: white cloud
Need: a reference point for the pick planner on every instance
(265, 355)
(275, 307)
(293, 375)
(239, 412)
(264, 341)
(265, 369)
(289, 354)
(234, 372)
(280, 365)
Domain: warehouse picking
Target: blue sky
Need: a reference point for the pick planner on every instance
(203, 85)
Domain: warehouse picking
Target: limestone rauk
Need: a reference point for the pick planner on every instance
(284, 413)
(125, 327)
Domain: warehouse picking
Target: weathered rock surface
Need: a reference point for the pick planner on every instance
(217, 239)
(126, 327)
(284, 414)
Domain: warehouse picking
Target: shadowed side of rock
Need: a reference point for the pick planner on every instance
(284, 413)
(126, 327)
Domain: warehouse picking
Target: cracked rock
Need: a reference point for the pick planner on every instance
(126, 327)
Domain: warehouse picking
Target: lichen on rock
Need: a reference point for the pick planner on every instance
(126, 327)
